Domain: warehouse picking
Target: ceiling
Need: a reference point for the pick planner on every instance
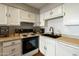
(37, 5)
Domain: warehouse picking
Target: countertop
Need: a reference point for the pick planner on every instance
(69, 40)
(64, 38)
(10, 37)
(15, 37)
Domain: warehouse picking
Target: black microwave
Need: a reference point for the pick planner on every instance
(4, 30)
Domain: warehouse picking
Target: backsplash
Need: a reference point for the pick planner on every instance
(12, 29)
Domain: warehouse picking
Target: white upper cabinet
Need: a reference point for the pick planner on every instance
(13, 16)
(42, 19)
(27, 16)
(37, 20)
(24, 15)
(9, 15)
(58, 11)
(55, 12)
(3, 14)
(71, 16)
(47, 15)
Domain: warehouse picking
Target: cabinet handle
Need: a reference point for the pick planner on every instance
(6, 14)
(45, 48)
(64, 13)
(74, 54)
(51, 13)
(13, 43)
(28, 15)
(12, 51)
(9, 15)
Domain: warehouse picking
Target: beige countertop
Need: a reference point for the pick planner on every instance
(15, 37)
(11, 37)
(69, 40)
(62, 39)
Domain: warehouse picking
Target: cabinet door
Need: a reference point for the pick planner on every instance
(63, 50)
(48, 15)
(24, 15)
(42, 19)
(42, 45)
(50, 47)
(0, 49)
(58, 11)
(13, 16)
(12, 50)
(3, 14)
(55, 12)
(37, 20)
(27, 16)
(47, 46)
(71, 16)
(31, 17)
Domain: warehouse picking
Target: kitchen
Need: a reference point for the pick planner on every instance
(39, 29)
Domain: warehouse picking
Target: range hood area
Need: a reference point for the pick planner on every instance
(26, 25)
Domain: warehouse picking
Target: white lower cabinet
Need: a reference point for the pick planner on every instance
(52, 47)
(12, 48)
(47, 46)
(63, 50)
(50, 43)
(42, 45)
(0, 49)
(0, 52)
(3, 16)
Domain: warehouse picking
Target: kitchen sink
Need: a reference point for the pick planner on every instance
(51, 35)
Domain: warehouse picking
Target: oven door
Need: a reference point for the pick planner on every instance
(29, 44)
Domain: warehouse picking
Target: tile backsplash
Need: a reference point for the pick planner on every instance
(12, 29)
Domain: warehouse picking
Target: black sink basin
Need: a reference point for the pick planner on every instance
(53, 36)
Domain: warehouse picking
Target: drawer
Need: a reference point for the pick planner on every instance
(11, 43)
(0, 51)
(16, 54)
(0, 48)
(12, 50)
(0, 44)
(65, 50)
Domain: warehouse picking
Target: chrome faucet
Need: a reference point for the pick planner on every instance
(52, 29)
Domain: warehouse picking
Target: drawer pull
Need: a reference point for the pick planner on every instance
(74, 54)
(13, 49)
(45, 48)
(13, 43)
